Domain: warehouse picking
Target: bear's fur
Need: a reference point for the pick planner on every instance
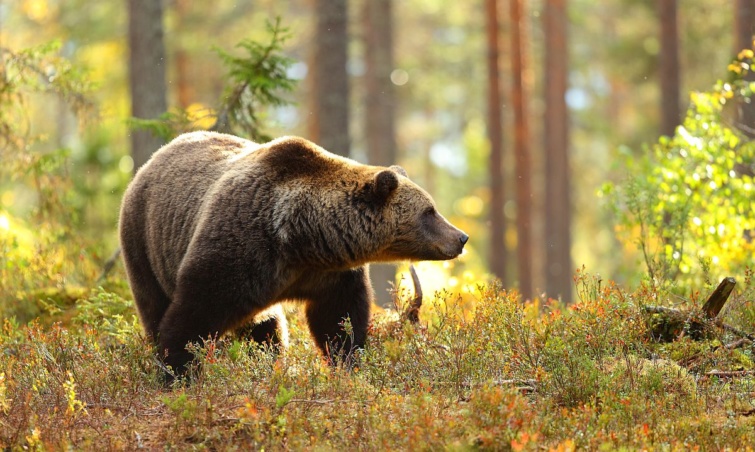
(215, 230)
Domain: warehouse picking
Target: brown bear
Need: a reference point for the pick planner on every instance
(216, 229)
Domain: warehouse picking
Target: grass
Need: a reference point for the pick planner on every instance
(483, 372)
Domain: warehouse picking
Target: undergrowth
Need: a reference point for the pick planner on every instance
(505, 375)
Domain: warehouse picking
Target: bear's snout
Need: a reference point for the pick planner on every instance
(453, 243)
(463, 238)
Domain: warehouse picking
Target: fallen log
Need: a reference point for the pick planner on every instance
(671, 323)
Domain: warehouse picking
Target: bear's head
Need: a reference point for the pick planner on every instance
(416, 230)
(334, 211)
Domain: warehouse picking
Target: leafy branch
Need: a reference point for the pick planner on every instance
(37, 70)
(255, 81)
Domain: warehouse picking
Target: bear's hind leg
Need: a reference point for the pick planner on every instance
(149, 297)
(343, 295)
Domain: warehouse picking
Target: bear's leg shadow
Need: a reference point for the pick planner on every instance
(346, 294)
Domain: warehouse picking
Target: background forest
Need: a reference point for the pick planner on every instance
(567, 138)
(413, 88)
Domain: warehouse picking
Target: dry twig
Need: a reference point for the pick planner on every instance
(411, 312)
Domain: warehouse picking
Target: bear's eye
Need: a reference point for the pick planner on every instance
(430, 211)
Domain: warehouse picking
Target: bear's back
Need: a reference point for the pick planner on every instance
(162, 204)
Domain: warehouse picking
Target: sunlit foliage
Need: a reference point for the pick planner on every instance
(688, 200)
(41, 253)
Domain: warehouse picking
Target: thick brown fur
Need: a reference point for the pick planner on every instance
(216, 229)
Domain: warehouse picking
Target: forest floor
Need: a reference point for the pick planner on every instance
(480, 371)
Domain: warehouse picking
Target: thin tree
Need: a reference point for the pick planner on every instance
(669, 67)
(379, 104)
(146, 73)
(522, 164)
(497, 257)
(556, 144)
(329, 126)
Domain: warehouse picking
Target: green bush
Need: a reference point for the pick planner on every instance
(688, 200)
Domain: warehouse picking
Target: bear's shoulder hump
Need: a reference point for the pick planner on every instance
(292, 157)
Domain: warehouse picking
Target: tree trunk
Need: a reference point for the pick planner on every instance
(522, 164)
(497, 257)
(669, 67)
(146, 73)
(330, 82)
(556, 144)
(745, 30)
(744, 18)
(184, 89)
(379, 104)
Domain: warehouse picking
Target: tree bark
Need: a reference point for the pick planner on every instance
(497, 257)
(669, 67)
(522, 163)
(146, 73)
(330, 83)
(379, 102)
(556, 144)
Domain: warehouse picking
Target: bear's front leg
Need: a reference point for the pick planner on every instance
(205, 305)
(184, 323)
(339, 296)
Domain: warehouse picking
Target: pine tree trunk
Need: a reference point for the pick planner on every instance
(669, 67)
(558, 265)
(497, 257)
(146, 73)
(744, 18)
(745, 37)
(184, 89)
(522, 163)
(330, 81)
(379, 104)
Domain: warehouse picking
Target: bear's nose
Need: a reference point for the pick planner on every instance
(463, 239)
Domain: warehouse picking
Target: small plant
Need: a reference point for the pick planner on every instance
(255, 82)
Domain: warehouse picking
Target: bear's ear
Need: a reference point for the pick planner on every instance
(386, 182)
(399, 170)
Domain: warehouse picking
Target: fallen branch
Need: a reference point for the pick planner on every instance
(525, 386)
(313, 401)
(736, 344)
(736, 331)
(729, 373)
(663, 310)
